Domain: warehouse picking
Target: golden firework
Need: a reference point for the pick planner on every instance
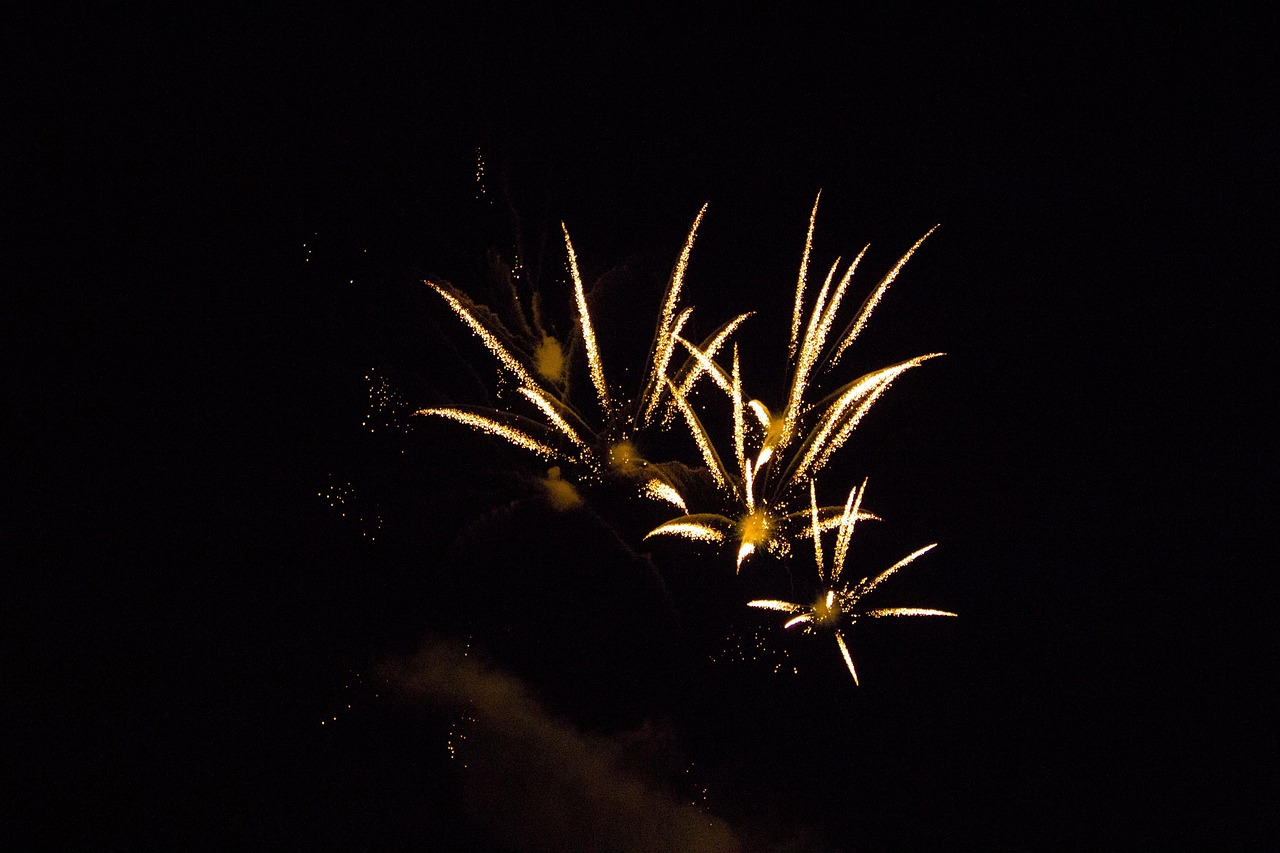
(838, 604)
(538, 365)
(794, 445)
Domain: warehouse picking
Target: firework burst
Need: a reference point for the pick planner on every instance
(792, 446)
(544, 420)
(838, 605)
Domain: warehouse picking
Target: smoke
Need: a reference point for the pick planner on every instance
(536, 783)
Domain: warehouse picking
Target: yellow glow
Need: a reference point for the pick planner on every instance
(561, 493)
(907, 611)
(865, 587)
(826, 609)
(483, 424)
(756, 528)
(815, 339)
(709, 456)
(549, 360)
(772, 604)
(739, 426)
(815, 529)
(848, 659)
(624, 460)
(844, 414)
(845, 533)
(705, 366)
(762, 414)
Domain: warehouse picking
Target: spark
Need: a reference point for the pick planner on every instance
(704, 355)
(850, 334)
(588, 332)
(544, 404)
(690, 527)
(343, 499)
(838, 603)
(752, 647)
(804, 270)
(709, 456)
(484, 333)
(661, 491)
(493, 427)
(665, 339)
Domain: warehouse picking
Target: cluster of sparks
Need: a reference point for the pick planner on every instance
(772, 452)
(342, 499)
(387, 407)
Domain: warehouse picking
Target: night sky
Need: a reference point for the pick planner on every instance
(220, 330)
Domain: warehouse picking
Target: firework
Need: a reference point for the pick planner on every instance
(838, 605)
(537, 364)
(796, 444)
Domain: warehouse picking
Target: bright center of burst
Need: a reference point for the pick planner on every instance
(774, 435)
(625, 460)
(756, 528)
(826, 609)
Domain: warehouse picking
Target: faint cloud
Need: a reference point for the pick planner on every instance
(536, 783)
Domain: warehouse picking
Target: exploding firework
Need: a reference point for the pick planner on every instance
(793, 446)
(838, 604)
(548, 422)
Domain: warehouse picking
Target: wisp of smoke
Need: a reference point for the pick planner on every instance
(537, 783)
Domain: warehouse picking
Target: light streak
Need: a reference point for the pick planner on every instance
(850, 334)
(704, 355)
(689, 528)
(661, 491)
(544, 404)
(804, 270)
(486, 336)
(665, 339)
(588, 333)
(493, 427)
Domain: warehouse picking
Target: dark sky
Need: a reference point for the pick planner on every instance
(225, 220)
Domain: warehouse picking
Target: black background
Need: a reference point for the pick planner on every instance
(222, 221)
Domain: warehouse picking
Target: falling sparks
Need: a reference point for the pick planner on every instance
(343, 499)
(753, 648)
(387, 407)
(836, 602)
(456, 740)
(358, 693)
